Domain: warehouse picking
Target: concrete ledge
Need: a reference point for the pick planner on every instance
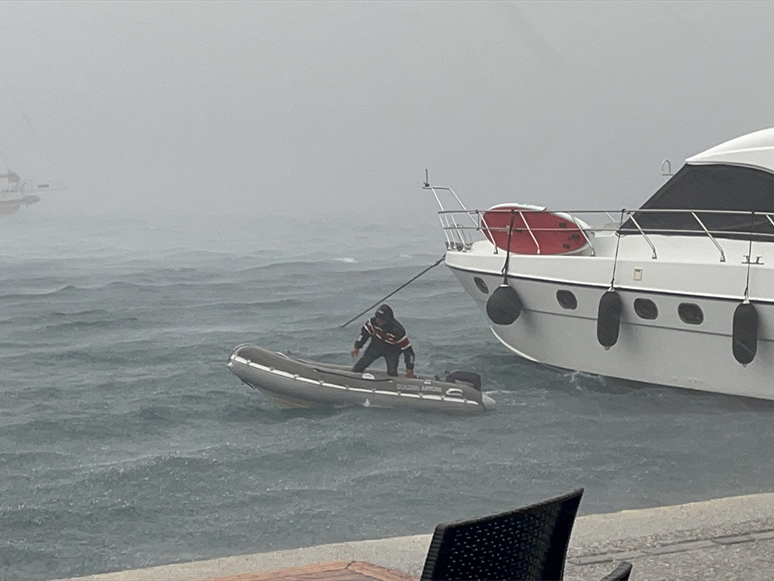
(657, 521)
(407, 554)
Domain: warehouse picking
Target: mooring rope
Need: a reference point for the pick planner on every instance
(404, 285)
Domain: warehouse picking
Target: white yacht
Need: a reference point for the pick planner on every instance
(11, 196)
(16, 193)
(679, 292)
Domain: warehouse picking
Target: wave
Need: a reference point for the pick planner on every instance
(120, 419)
(271, 304)
(22, 460)
(27, 296)
(125, 322)
(89, 312)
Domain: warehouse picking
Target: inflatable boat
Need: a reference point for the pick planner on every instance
(295, 383)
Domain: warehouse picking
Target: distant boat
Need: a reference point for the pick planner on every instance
(16, 192)
(11, 196)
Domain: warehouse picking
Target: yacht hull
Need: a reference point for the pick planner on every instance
(678, 292)
(665, 350)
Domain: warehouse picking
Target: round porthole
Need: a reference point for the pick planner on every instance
(645, 309)
(481, 285)
(690, 313)
(566, 299)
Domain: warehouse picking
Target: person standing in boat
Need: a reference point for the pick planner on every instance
(388, 340)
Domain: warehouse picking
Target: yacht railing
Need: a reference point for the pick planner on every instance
(457, 235)
(460, 225)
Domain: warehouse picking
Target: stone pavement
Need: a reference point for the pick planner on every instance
(727, 538)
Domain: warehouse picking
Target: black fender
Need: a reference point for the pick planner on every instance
(504, 306)
(745, 333)
(609, 318)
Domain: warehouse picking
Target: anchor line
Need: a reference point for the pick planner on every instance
(401, 287)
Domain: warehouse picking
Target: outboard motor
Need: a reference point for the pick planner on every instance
(469, 377)
(504, 306)
(609, 318)
(745, 333)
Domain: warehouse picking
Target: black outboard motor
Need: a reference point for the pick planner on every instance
(468, 377)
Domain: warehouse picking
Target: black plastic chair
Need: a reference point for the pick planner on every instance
(620, 573)
(529, 543)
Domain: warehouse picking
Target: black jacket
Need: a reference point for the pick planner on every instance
(391, 336)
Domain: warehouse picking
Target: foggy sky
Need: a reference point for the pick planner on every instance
(320, 107)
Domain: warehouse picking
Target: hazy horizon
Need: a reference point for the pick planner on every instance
(331, 107)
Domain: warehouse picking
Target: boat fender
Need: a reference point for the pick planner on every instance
(504, 306)
(474, 379)
(745, 333)
(609, 319)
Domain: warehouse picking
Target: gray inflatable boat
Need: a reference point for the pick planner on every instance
(296, 383)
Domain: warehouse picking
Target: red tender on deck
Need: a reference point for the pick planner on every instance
(534, 231)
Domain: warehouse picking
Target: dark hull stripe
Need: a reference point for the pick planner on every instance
(605, 286)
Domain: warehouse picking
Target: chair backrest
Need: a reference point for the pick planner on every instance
(529, 543)
(620, 573)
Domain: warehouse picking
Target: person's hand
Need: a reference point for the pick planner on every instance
(354, 352)
(410, 373)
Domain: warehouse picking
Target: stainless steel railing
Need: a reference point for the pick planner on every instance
(461, 224)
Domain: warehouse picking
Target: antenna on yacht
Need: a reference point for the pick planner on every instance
(427, 179)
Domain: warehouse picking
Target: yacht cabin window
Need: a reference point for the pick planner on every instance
(566, 300)
(645, 309)
(690, 313)
(481, 285)
(712, 191)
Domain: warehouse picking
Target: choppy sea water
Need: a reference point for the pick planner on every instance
(126, 442)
